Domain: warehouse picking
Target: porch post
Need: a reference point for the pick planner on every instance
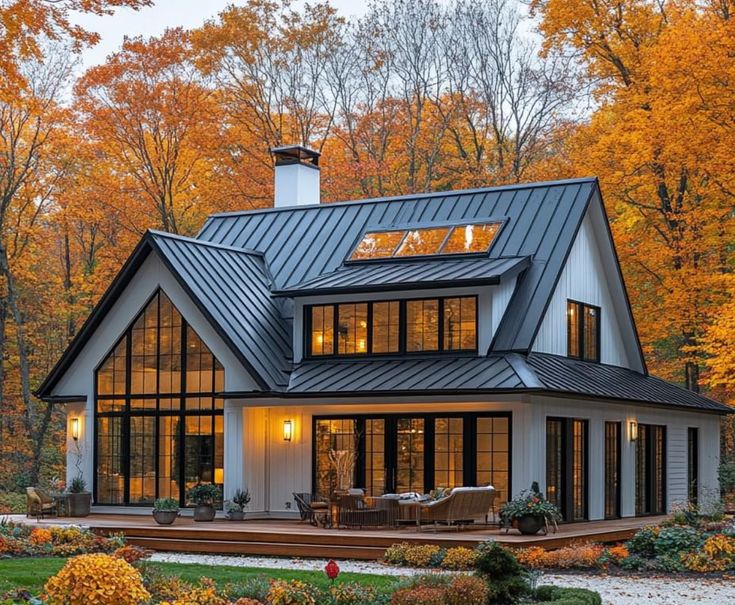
(234, 452)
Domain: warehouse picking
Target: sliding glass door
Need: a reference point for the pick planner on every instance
(566, 466)
(397, 453)
(650, 483)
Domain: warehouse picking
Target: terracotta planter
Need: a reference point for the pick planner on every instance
(204, 512)
(165, 517)
(236, 515)
(79, 504)
(529, 525)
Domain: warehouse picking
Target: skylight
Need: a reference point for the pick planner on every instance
(471, 238)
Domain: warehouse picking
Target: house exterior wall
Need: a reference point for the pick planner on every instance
(591, 275)
(273, 469)
(491, 304)
(79, 378)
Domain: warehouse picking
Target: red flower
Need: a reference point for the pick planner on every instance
(332, 569)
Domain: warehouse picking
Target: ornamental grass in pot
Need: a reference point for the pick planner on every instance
(80, 500)
(165, 510)
(529, 512)
(204, 495)
(237, 505)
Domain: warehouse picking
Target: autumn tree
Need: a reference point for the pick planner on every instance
(26, 25)
(659, 141)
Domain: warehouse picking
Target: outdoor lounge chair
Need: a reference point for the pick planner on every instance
(463, 506)
(311, 508)
(39, 503)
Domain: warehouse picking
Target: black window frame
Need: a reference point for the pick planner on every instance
(402, 328)
(581, 307)
(656, 484)
(693, 464)
(566, 456)
(612, 499)
(127, 413)
(469, 462)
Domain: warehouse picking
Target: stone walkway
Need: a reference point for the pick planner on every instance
(615, 590)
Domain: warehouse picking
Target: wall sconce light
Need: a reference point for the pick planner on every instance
(633, 430)
(75, 429)
(287, 430)
(219, 476)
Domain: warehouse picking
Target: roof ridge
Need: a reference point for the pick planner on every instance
(408, 196)
(194, 240)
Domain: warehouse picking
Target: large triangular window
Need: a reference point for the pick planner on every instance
(159, 428)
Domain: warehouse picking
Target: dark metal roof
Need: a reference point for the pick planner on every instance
(566, 375)
(504, 373)
(233, 287)
(392, 274)
(307, 242)
(230, 286)
(404, 375)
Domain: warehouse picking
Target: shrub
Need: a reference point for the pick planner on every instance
(96, 578)
(467, 590)
(644, 542)
(247, 601)
(396, 553)
(717, 554)
(459, 558)
(255, 588)
(420, 595)
(424, 555)
(567, 596)
(39, 536)
(674, 541)
(351, 593)
(12, 502)
(294, 592)
(131, 554)
(505, 576)
(205, 594)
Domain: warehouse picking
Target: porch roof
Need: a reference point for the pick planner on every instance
(508, 373)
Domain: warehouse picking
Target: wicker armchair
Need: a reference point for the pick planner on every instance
(39, 503)
(463, 506)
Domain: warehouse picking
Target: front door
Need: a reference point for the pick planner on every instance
(566, 466)
(410, 440)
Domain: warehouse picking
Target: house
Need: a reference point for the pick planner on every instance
(449, 338)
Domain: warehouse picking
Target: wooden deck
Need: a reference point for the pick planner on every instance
(291, 538)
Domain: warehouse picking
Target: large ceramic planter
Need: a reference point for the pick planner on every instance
(204, 512)
(237, 515)
(529, 525)
(165, 517)
(79, 504)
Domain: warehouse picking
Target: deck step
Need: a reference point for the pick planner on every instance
(239, 547)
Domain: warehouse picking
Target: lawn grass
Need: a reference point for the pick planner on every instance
(31, 574)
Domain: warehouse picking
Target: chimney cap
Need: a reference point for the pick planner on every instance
(295, 154)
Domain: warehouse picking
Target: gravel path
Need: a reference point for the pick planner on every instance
(615, 590)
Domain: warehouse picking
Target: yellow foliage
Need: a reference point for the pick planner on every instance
(459, 558)
(99, 579)
(40, 535)
(294, 592)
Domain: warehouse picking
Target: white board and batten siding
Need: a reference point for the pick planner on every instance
(590, 276)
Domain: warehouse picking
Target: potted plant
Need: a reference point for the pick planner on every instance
(204, 496)
(165, 510)
(80, 500)
(237, 505)
(529, 512)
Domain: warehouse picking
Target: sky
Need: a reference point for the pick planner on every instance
(154, 20)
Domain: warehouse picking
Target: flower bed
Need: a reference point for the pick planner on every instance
(19, 540)
(685, 544)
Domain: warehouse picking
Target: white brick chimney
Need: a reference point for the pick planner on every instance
(297, 176)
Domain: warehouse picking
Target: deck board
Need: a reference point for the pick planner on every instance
(275, 537)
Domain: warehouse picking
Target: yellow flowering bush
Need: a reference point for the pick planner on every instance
(97, 578)
(717, 554)
(422, 555)
(40, 535)
(294, 592)
(205, 594)
(459, 558)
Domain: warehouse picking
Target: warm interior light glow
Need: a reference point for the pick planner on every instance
(75, 429)
(361, 345)
(219, 476)
(287, 430)
(633, 427)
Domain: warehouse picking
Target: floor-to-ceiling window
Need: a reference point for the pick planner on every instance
(650, 480)
(566, 466)
(693, 464)
(416, 453)
(159, 426)
(612, 469)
